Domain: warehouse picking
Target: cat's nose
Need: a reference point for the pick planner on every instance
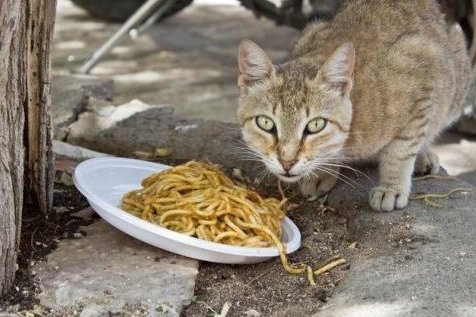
(287, 165)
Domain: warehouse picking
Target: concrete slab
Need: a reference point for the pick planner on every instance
(100, 116)
(159, 127)
(107, 272)
(469, 177)
(417, 262)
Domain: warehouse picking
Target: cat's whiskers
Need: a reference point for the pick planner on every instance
(245, 151)
(349, 181)
(332, 173)
(337, 161)
(356, 171)
(319, 164)
(228, 127)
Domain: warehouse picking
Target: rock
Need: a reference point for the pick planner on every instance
(102, 117)
(86, 213)
(252, 313)
(70, 96)
(157, 127)
(108, 271)
(423, 276)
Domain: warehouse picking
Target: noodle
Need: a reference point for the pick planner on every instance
(198, 200)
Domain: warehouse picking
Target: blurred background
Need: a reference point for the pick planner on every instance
(188, 60)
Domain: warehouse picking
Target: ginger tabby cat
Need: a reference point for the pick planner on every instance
(379, 81)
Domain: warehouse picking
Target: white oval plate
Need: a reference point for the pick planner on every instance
(103, 181)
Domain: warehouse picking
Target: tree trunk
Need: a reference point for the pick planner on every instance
(26, 163)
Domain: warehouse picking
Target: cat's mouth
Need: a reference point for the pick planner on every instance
(289, 178)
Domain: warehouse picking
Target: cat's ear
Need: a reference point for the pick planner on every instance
(338, 71)
(253, 64)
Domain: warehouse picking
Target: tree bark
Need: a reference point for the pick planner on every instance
(39, 143)
(26, 162)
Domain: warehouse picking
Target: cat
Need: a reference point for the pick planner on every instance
(380, 81)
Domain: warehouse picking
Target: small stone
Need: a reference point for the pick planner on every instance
(342, 221)
(319, 293)
(353, 245)
(225, 275)
(238, 174)
(162, 152)
(313, 198)
(252, 313)
(291, 206)
(94, 311)
(65, 179)
(60, 210)
(77, 235)
(143, 155)
(85, 213)
(186, 302)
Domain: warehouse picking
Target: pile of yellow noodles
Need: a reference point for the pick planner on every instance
(198, 200)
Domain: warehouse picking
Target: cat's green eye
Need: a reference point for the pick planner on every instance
(265, 123)
(316, 125)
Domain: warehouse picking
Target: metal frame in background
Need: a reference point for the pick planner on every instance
(148, 14)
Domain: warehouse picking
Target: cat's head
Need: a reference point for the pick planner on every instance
(296, 116)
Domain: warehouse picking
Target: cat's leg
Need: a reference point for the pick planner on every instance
(397, 159)
(320, 184)
(396, 166)
(427, 163)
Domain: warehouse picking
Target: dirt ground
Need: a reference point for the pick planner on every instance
(263, 289)
(266, 289)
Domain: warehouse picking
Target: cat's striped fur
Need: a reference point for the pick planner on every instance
(387, 76)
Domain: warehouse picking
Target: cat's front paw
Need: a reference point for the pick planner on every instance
(387, 199)
(309, 188)
(318, 186)
(427, 163)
